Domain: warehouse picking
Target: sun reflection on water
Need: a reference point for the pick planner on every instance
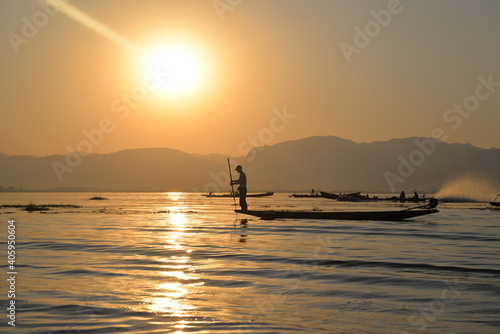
(177, 279)
(170, 299)
(177, 232)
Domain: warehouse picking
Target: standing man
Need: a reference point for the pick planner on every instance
(242, 188)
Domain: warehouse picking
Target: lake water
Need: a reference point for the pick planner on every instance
(183, 263)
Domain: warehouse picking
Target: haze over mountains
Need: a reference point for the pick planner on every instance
(323, 163)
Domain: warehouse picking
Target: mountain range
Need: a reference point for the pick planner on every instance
(324, 163)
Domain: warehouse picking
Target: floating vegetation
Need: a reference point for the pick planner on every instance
(175, 211)
(118, 211)
(98, 198)
(31, 207)
(46, 208)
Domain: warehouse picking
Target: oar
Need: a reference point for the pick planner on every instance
(231, 179)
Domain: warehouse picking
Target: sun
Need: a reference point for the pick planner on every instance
(179, 69)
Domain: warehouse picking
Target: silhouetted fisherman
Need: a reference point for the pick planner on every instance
(242, 188)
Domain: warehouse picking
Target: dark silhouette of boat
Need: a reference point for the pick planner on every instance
(313, 193)
(329, 195)
(305, 195)
(398, 215)
(348, 197)
(339, 215)
(269, 193)
(358, 197)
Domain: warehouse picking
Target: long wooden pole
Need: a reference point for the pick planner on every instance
(231, 179)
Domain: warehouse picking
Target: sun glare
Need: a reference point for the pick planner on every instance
(178, 68)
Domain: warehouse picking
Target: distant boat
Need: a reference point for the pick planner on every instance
(269, 193)
(357, 197)
(329, 195)
(339, 215)
(340, 197)
(306, 195)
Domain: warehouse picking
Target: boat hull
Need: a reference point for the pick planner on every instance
(495, 203)
(236, 195)
(328, 195)
(357, 197)
(305, 195)
(338, 215)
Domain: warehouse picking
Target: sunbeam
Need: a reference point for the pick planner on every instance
(96, 26)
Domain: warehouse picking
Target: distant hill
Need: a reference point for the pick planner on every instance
(218, 158)
(322, 163)
(159, 169)
(331, 163)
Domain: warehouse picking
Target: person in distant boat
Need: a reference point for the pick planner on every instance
(415, 196)
(402, 196)
(242, 187)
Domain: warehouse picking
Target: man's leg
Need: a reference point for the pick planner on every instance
(243, 199)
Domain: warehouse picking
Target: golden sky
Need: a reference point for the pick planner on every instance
(220, 76)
